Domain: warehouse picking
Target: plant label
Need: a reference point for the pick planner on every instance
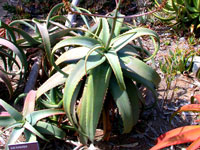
(24, 146)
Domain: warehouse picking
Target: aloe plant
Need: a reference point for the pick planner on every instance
(186, 13)
(28, 121)
(98, 67)
(19, 44)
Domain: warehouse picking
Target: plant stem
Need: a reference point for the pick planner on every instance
(113, 25)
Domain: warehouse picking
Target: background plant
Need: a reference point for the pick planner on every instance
(175, 63)
(185, 13)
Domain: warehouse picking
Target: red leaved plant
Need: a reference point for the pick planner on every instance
(184, 134)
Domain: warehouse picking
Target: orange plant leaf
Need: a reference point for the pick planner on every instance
(194, 145)
(178, 136)
(29, 103)
(189, 107)
(197, 97)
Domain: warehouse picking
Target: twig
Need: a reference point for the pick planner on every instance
(68, 8)
(71, 16)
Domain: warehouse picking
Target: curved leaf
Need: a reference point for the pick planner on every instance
(195, 145)
(24, 22)
(136, 66)
(30, 128)
(30, 137)
(135, 98)
(54, 80)
(26, 36)
(190, 107)
(49, 129)
(178, 136)
(16, 50)
(12, 111)
(55, 8)
(45, 38)
(80, 41)
(7, 82)
(15, 134)
(122, 40)
(73, 55)
(141, 80)
(6, 121)
(35, 116)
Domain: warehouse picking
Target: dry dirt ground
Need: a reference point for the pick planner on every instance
(154, 121)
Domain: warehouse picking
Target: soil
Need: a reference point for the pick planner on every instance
(153, 122)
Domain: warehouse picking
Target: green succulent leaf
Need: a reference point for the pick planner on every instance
(80, 41)
(50, 129)
(9, 31)
(45, 38)
(73, 80)
(115, 64)
(30, 137)
(124, 105)
(119, 23)
(123, 39)
(24, 22)
(32, 41)
(12, 111)
(73, 55)
(54, 80)
(141, 80)
(135, 98)
(6, 121)
(93, 99)
(35, 116)
(53, 10)
(15, 134)
(105, 31)
(7, 82)
(30, 128)
(17, 51)
(137, 66)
